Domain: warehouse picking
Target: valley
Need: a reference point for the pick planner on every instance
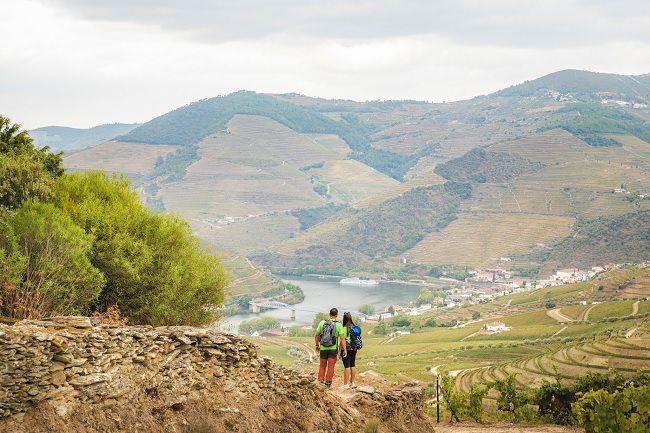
(299, 184)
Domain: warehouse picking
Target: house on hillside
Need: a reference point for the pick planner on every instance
(496, 327)
(273, 333)
(566, 273)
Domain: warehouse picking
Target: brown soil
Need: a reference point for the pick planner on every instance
(502, 428)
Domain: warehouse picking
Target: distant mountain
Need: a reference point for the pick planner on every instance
(586, 84)
(304, 184)
(70, 139)
(190, 124)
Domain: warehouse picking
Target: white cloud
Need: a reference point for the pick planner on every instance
(78, 67)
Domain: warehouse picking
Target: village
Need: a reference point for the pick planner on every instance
(482, 286)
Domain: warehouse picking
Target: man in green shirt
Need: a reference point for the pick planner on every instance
(330, 338)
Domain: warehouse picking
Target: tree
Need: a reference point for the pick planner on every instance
(54, 274)
(14, 142)
(430, 323)
(258, 324)
(318, 317)
(380, 329)
(25, 171)
(155, 270)
(401, 322)
(476, 315)
(244, 301)
(367, 309)
(425, 297)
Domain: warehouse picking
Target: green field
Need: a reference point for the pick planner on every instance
(535, 347)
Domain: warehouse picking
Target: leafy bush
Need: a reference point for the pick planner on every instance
(367, 309)
(75, 243)
(461, 405)
(625, 411)
(155, 270)
(511, 400)
(50, 262)
(258, 324)
(401, 322)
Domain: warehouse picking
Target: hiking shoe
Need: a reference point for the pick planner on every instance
(345, 387)
(328, 384)
(352, 386)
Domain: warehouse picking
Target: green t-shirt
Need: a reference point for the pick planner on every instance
(339, 330)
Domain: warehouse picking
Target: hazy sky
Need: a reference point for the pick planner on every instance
(86, 62)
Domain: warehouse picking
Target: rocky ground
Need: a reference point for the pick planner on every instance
(71, 375)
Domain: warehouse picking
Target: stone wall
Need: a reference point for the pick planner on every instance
(65, 361)
(73, 375)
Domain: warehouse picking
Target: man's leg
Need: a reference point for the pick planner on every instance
(331, 362)
(322, 366)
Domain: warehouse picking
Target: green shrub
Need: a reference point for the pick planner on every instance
(372, 426)
(626, 411)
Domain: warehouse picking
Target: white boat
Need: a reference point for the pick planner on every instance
(358, 282)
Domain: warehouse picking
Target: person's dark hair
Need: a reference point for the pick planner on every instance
(334, 312)
(347, 320)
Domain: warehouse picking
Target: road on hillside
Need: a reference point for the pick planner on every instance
(557, 315)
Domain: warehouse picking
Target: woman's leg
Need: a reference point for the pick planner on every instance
(353, 366)
(346, 371)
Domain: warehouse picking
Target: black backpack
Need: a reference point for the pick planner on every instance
(328, 334)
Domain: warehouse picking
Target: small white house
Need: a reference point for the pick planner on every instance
(496, 327)
(566, 273)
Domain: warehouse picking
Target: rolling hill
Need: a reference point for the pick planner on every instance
(70, 139)
(586, 85)
(301, 183)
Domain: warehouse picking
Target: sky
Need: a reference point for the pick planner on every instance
(81, 63)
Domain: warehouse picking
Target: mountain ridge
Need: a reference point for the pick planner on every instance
(70, 139)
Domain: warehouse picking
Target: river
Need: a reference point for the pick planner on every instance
(321, 294)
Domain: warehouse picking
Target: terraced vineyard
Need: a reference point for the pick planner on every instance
(246, 278)
(350, 181)
(228, 181)
(132, 159)
(625, 355)
(476, 240)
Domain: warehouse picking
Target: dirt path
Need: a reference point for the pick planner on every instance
(470, 335)
(631, 332)
(557, 315)
(635, 308)
(249, 277)
(560, 331)
(445, 427)
(434, 370)
(584, 316)
(508, 304)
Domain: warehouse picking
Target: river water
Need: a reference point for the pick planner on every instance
(323, 294)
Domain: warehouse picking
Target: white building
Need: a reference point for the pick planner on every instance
(496, 327)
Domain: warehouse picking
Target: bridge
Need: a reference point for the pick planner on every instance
(256, 307)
